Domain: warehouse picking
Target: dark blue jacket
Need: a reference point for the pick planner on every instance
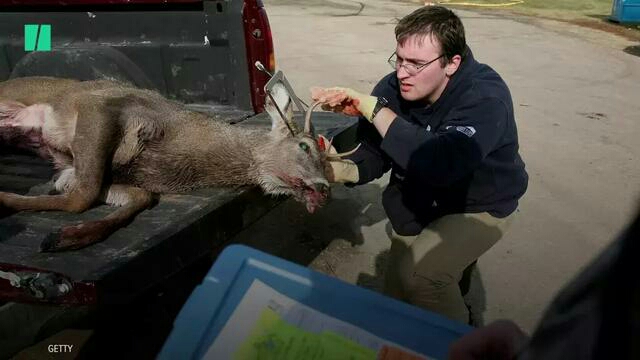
(458, 155)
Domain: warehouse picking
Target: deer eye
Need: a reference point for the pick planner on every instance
(304, 146)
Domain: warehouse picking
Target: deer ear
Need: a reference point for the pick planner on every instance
(322, 143)
(281, 97)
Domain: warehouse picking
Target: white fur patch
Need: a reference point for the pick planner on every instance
(34, 116)
(273, 185)
(281, 96)
(58, 132)
(318, 181)
(66, 181)
(24, 117)
(117, 198)
(282, 100)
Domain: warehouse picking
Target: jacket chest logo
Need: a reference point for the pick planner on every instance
(467, 130)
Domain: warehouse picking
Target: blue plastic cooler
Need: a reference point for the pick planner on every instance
(212, 303)
(626, 11)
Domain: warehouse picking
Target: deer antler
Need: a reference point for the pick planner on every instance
(307, 130)
(326, 147)
(341, 155)
(307, 117)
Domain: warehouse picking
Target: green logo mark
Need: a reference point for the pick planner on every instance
(37, 37)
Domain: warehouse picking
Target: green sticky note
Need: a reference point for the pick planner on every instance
(274, 339)
(339, 347)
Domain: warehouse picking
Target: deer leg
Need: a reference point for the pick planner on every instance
(79, 199)
(75, 201)
(92, 145)
(131, 200)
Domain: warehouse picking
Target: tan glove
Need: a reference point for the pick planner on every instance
(345, 100)
(341, 170)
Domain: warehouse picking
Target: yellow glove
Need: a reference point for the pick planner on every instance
(341, 170)
(345, 100)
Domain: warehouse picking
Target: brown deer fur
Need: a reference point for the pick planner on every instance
(121, 145)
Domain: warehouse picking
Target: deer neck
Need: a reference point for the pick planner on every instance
(231, 160)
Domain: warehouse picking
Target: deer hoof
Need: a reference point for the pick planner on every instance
(51, 243)
(68, 238)
(55, 242)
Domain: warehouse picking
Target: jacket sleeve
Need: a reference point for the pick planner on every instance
(465, 138)
(371, 161)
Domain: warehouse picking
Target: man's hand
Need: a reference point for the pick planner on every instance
(340, 170)
(497, 341)
(345, 100)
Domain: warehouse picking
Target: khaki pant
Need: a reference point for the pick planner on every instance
(425, 269)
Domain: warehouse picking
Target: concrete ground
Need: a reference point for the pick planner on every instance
(577, 98)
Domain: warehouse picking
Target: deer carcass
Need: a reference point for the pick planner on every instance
(121, 145)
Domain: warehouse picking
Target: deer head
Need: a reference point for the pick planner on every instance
(290, 162)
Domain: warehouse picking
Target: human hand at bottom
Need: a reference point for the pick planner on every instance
(500, 340)
(338, 170)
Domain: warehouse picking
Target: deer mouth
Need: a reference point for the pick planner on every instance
(315, 196)
(312, 194)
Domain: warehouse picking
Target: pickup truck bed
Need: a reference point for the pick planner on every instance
(178, 231)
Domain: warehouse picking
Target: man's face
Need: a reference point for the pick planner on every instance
(429, 83)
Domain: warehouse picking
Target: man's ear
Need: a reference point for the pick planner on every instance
(453, 65)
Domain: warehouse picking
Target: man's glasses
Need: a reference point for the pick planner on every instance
(412, 69)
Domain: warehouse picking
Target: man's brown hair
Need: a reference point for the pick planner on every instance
(438, 22)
